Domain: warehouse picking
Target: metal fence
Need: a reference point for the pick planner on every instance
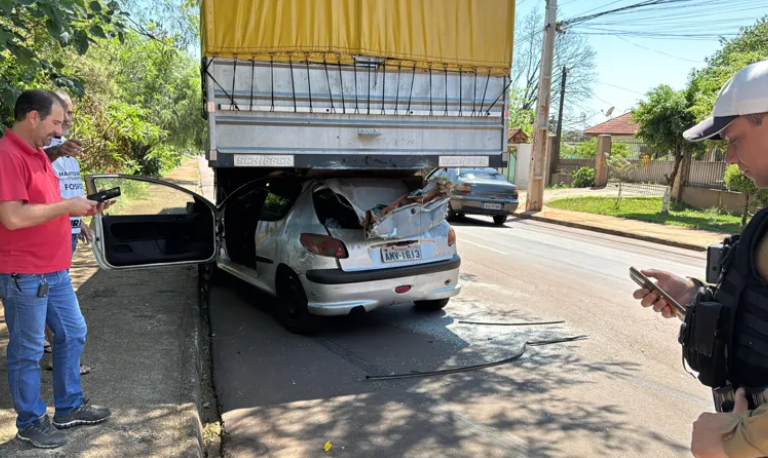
(645, 171)
(645, 177)
(709, 172)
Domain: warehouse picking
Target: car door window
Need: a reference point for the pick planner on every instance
(145, 198)
(152, 223)
(280, 199)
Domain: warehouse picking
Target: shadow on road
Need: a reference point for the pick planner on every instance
(286, 395)
(136, 326)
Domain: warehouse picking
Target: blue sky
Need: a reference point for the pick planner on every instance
(626, 70)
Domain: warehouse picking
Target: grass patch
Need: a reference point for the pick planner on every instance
(649, 209)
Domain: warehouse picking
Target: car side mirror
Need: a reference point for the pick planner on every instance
(191, 207)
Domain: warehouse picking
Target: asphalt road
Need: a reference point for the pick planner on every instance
(621, 393)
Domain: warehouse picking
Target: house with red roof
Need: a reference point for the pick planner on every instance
(621, 129)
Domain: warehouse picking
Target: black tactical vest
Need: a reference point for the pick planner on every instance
(746, 295)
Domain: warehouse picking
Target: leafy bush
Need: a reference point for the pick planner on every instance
(584, 177)
(736, 181)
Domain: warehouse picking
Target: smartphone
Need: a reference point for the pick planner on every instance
(104, 196)
(650, 285)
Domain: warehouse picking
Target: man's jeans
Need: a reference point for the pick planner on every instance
(26, 315)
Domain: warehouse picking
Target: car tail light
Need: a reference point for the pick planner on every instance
(402, 289)
(464, 189)
(324, 245)
(451, 237)
(515, 194)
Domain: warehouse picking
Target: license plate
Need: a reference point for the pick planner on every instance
(493, 206)
(401, 254)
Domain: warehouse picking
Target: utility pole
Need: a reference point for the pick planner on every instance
(535, 194)
(555, 153)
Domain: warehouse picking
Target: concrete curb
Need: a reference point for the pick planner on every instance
(192, 365)
(192, 372)
(620, 233)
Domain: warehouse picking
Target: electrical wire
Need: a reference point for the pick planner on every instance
(622, 88)
(457, 370)
(660, 52)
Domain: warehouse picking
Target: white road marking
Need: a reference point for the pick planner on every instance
(463, 240)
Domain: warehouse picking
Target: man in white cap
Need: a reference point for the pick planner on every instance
(725, 332)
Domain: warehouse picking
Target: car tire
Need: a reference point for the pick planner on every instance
(431, 306)
(500, 220)
(293, 312)
(450, 215)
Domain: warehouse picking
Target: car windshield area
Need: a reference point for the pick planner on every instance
(475, 174)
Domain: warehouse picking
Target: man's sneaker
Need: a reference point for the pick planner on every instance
(43, 435)
(85, 415)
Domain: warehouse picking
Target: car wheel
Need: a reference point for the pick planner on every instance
(293, 310)
(500, 220)
(450, 215)
(431, 306)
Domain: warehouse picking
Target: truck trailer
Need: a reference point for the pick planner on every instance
(324, 118)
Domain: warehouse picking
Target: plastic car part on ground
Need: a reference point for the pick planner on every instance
(386, 210)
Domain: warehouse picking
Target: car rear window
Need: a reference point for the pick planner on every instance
(334, 210)
(481, 175)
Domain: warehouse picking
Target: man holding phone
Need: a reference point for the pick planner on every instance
(740, 117)
(35, 287)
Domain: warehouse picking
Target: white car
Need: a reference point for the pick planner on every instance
(299, 240)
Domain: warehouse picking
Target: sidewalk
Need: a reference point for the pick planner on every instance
(657, 233)
(143, 348)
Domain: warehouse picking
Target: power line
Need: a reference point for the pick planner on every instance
(582, 19)
(600, 7)
(622, 88)
(660, 52)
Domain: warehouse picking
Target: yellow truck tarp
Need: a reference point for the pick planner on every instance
(456, 33)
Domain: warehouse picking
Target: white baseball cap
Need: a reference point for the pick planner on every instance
(745, 93)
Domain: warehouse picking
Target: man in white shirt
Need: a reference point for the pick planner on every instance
(62, 154)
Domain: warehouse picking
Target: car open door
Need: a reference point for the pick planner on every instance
(153, 223)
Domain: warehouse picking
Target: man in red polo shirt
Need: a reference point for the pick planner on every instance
(35, 255)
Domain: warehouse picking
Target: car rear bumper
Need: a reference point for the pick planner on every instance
(330, 296)
(475, 207)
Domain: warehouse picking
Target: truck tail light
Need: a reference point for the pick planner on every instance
(464, 189)
(324, 245)
(451, 237)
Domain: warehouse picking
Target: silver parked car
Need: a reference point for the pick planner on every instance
(479, 192)
(299, 240)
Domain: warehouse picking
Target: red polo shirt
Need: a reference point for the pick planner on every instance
(26, 174)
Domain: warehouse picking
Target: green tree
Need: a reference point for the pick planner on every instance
(33, 33)
(750, 46)
(588, 150)
(737, 182)
(520, 117)
(142, 105)
(663, 117)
